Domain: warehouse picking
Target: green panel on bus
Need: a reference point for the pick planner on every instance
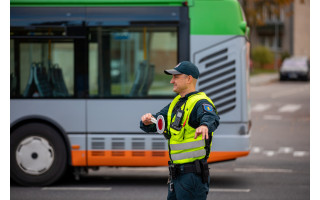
(224, 15)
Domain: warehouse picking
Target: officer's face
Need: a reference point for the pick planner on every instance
(179, 82)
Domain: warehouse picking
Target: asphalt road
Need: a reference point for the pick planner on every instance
(278, 166)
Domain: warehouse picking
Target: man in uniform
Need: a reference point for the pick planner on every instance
(191, 119)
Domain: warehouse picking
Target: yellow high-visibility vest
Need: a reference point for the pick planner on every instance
(183, 148)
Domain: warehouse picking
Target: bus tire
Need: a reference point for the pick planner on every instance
(38, 155)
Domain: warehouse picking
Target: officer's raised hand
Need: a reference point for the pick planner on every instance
(203, 129)
(146, 119)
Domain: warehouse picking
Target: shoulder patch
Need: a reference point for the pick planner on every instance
(207, 107)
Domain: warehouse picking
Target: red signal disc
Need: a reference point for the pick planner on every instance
(160, 124)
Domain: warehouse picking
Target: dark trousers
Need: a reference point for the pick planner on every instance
(188, 186)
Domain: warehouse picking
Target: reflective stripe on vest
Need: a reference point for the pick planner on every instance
(188, 145)
(192, 154)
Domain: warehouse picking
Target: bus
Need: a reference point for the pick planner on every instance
(83, 72)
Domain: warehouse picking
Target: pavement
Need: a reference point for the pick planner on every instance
(262, 79)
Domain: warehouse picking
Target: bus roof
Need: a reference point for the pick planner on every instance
(98, 2)
(226, 15)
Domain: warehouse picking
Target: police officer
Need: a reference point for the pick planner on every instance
(191, 118)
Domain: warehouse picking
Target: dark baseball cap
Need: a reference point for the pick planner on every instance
(185, 67)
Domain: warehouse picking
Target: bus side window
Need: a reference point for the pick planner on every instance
(44, 69)
(143, 79)
(129, 62)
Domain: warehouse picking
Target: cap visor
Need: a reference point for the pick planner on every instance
(171, 72)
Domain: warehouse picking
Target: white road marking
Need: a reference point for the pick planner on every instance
(158, 169)
(228, 190)
(285, 150)
(272, 117)
(262, 170)
(78, 188)
(289, 108)
(256, 149)
(300, 153)
(269, 153)
(261, 107)
(281, 150)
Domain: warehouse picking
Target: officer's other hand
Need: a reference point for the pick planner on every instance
(203, 129)
(146, 119)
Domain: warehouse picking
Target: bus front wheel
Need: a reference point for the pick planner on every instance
(38, 155)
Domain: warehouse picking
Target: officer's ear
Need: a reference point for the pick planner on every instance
(190, 79)
(193, 80)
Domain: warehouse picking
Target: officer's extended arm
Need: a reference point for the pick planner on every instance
(147, 126)
(146, 119)
(208, 119)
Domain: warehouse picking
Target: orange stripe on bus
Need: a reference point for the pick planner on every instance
(78, 158)
(217, 156)
(75, 146)
(128, 158)
(138, 158)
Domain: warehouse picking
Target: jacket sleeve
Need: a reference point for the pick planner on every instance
(152, 127)
(208, 117)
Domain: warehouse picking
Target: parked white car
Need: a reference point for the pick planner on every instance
(295, 68)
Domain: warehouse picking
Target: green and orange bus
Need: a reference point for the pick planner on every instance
(83, 72)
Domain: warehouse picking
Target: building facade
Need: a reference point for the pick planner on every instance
(285, 34)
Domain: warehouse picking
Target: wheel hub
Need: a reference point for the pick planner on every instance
(34, 155)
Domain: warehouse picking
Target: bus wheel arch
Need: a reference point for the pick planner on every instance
(38, 156)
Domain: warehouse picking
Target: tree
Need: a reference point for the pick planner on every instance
(262, 55)
(257, 11)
